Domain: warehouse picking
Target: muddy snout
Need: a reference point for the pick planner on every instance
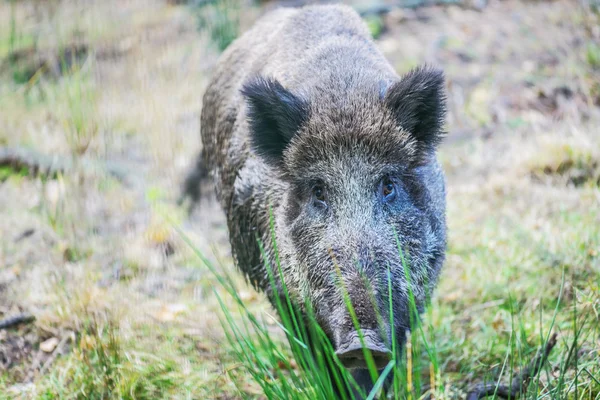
(351, 351)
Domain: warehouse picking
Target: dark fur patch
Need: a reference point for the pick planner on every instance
(275, 115)
(419, 103)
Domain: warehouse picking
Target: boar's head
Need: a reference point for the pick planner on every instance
(361, 204)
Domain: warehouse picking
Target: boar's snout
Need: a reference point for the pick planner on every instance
(352, 355)
(368, 317)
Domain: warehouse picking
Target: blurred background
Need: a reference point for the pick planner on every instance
(99, 122)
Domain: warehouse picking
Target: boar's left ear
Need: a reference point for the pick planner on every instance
(275, 116)
(418, 101)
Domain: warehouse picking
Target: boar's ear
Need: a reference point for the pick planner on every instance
(418, 101)
(275, 115)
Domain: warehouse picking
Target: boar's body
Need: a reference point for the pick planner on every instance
(306, 117)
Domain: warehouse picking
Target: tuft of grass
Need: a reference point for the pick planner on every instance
(16, 40)
(478, 104)
(592, 55)
(7, 172)
(220, 18)
(375, 24)
(575, 162)
(306, 366)
(93, 368)
(102, 365)
(78, 113)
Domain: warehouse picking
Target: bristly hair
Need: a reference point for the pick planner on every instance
(418, 101)
(275, 116)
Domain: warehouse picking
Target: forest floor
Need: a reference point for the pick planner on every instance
(109, 92)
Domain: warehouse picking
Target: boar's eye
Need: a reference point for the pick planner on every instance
(319, 195)
(388, 189)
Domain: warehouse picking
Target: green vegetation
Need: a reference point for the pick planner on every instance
(78, 96)
(8, 171)
(593, 55)
(375, 25)
(148, 307)
(509, 343)
(220, 18)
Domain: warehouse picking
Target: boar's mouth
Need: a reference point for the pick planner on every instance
(351, 352)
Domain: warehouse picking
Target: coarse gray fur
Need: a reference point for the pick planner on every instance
(305, 105)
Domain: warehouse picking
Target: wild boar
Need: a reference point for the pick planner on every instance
(307, 125)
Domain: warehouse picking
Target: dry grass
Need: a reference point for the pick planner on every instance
(103, 270)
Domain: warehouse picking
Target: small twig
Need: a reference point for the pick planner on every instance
(520, 381)
(9, 322)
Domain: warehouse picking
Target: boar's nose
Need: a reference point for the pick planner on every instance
(352, 356)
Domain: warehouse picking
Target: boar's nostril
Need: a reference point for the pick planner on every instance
(352, 355)
(355, 359)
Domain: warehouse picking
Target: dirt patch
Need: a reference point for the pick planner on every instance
(17, 348)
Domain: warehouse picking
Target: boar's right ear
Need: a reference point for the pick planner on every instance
(418, 101)
(275, 116)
